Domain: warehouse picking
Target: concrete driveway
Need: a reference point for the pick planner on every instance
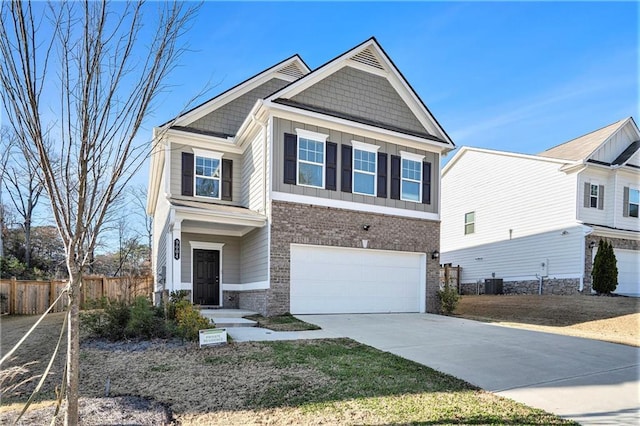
(586, 380)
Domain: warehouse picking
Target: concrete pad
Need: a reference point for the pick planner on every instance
(590, 381)
(232, 322)
(256, 334)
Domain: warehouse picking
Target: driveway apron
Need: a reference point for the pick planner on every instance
(589, 381)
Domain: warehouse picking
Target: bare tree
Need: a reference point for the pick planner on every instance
(103, 67)
(6, 144)
(24, 187)
(139, 197)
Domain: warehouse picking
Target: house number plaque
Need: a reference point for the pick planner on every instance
(176, 249)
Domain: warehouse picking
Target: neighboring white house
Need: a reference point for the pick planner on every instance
(534, 220)
(302, 191)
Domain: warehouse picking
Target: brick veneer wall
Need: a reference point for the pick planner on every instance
(326, 226)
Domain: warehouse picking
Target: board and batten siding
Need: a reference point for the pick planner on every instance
(253, 175)
(254, 254)
(282, 126)
(521, 258)
(512, 196)
(230, 257)
(176, 175)
(616, 144)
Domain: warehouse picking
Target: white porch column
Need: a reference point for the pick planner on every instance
(176, 251)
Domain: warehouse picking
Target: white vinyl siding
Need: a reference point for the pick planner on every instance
(514, 195)
(600, 179)
(521, 258)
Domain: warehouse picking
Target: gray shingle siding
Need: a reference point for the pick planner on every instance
(360, 94)
(228, 118)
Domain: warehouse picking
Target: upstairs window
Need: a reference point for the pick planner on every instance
(411, 180)
(208, 171)
(593, 196)
(469, 223)
(311, 158)
(634, 202)
(364, 168)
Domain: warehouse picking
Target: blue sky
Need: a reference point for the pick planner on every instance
(516, 76)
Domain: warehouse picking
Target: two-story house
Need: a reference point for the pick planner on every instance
(302, 191)
(534, 221)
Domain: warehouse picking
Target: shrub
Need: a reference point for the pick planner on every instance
(448, 298)
(170, 305)
(605, 269)
(110, 323)
(189, 321)
(145, 320)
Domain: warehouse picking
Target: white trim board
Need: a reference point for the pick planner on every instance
(203, 245)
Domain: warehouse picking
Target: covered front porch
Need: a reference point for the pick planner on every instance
(215, 251)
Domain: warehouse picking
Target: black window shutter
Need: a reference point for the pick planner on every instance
(332, 164)
(290, 158)
(426, 183)
(382, 175)
(346, 169)
(395, 177)
(227, 178)
(187, 173)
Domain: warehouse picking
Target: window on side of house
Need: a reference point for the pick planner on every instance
(411, 177)
(634, 202)
(365, 168)
(469, 223)
(593, 196)
(311, 158)
(208, 171)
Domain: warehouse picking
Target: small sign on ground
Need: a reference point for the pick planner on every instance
(213, 336)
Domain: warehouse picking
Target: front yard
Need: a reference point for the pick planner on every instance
(610, 318)
(335, 381)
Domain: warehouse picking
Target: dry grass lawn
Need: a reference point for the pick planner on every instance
(612, 319)
(336, 381)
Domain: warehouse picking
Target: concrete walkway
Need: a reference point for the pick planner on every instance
(592, 382)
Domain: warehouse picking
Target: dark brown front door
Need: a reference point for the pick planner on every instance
(206, 277)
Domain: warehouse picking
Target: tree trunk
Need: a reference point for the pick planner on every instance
(73, 348)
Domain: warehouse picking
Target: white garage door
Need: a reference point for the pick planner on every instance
(331, 280)
(628, 271)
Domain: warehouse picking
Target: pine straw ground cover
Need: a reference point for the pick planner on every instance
(336, 381)
(610, 318)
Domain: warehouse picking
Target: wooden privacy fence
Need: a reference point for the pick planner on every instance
(34, 297)
(451, 275)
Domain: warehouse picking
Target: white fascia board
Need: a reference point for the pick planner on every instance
(248, 126)
(236, 92)
(348, 126)
(206, 142)
(258, 285)
(350, 205)
(615, 233)
(193, 213)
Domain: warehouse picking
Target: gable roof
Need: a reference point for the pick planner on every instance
(289, 70)
(371, 58)
(582, 147)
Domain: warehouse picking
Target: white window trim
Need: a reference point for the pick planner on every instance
(418, 159)
(597, 185)
(361, 146)
(470, 223)
(317, 137)
(212, 155)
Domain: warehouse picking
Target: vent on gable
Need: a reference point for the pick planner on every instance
(367, 57)
(292, 70)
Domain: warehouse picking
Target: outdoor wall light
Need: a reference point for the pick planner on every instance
(366, 227)
(435, 254)
(592, 244)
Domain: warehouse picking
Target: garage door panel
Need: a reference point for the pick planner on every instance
(628, 262)
(340, 280)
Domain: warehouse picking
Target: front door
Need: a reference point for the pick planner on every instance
(206, 277)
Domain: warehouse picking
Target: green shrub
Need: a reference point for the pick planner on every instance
(605, 269)
(448, 299)
(110, 323)
(174, 298)
(189, 321)
(144, 320)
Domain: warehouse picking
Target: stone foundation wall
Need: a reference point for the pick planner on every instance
(568, 286)
(326, 226)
